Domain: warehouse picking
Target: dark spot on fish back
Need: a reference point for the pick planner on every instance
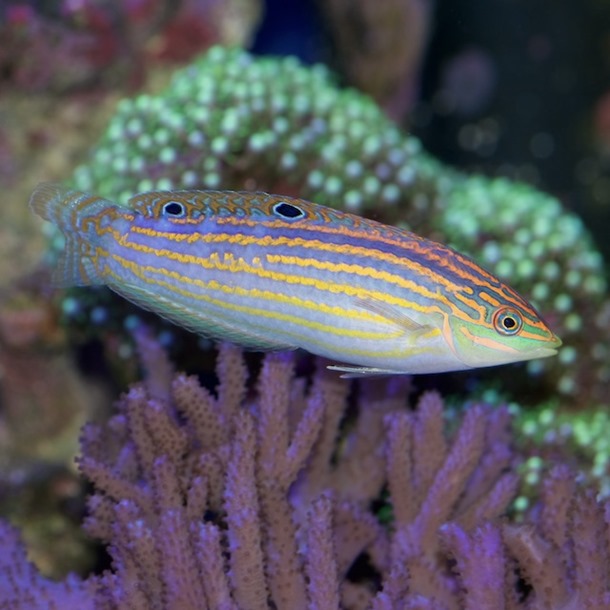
(173, 209)
(287, 210)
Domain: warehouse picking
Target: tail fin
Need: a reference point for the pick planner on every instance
(66, 208)
(76, 265)
(48, 199)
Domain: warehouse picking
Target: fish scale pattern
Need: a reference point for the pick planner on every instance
(233, 121)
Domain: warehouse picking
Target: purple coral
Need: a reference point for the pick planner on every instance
(224, 500)
(23, 588)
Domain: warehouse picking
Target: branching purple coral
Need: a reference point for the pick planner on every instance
(480, 563)
(574, 554)
(425, 499)
(322, 586)
(247, 571)
(212, 566)
(22, 587)
(258, 505)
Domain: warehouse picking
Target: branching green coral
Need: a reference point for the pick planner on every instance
(233, 121)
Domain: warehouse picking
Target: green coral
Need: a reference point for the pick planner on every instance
(254, 122)
(234, 121)
(550, 436)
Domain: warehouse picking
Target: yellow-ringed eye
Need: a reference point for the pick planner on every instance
(507, 321)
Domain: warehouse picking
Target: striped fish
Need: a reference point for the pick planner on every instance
(271, 272)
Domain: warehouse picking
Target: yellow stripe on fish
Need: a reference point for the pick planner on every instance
(273, 272)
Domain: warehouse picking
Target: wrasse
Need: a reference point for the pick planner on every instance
(270, 272)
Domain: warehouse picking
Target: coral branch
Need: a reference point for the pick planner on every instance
(321, 564)
(243, 519)
(480, 562)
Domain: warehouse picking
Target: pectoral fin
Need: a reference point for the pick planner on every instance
(394, 316)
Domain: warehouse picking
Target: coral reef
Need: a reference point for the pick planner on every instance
(227, 500)
(22, 586)
(44, 402)
(232, 121)
(379, 48)
(292, 491)
(35, 415)
(551, 435)
(66, 45)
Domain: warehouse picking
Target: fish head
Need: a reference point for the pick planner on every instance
(509, 333)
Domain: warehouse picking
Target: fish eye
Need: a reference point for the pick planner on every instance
(507, 321)
(174, 209)
(287, 210)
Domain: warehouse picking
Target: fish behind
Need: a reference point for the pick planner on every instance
(270, 272)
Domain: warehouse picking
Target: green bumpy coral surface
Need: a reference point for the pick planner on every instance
(550, 436)
(233, 121)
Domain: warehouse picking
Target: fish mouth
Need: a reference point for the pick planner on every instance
(547, 351)
(544, 352)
